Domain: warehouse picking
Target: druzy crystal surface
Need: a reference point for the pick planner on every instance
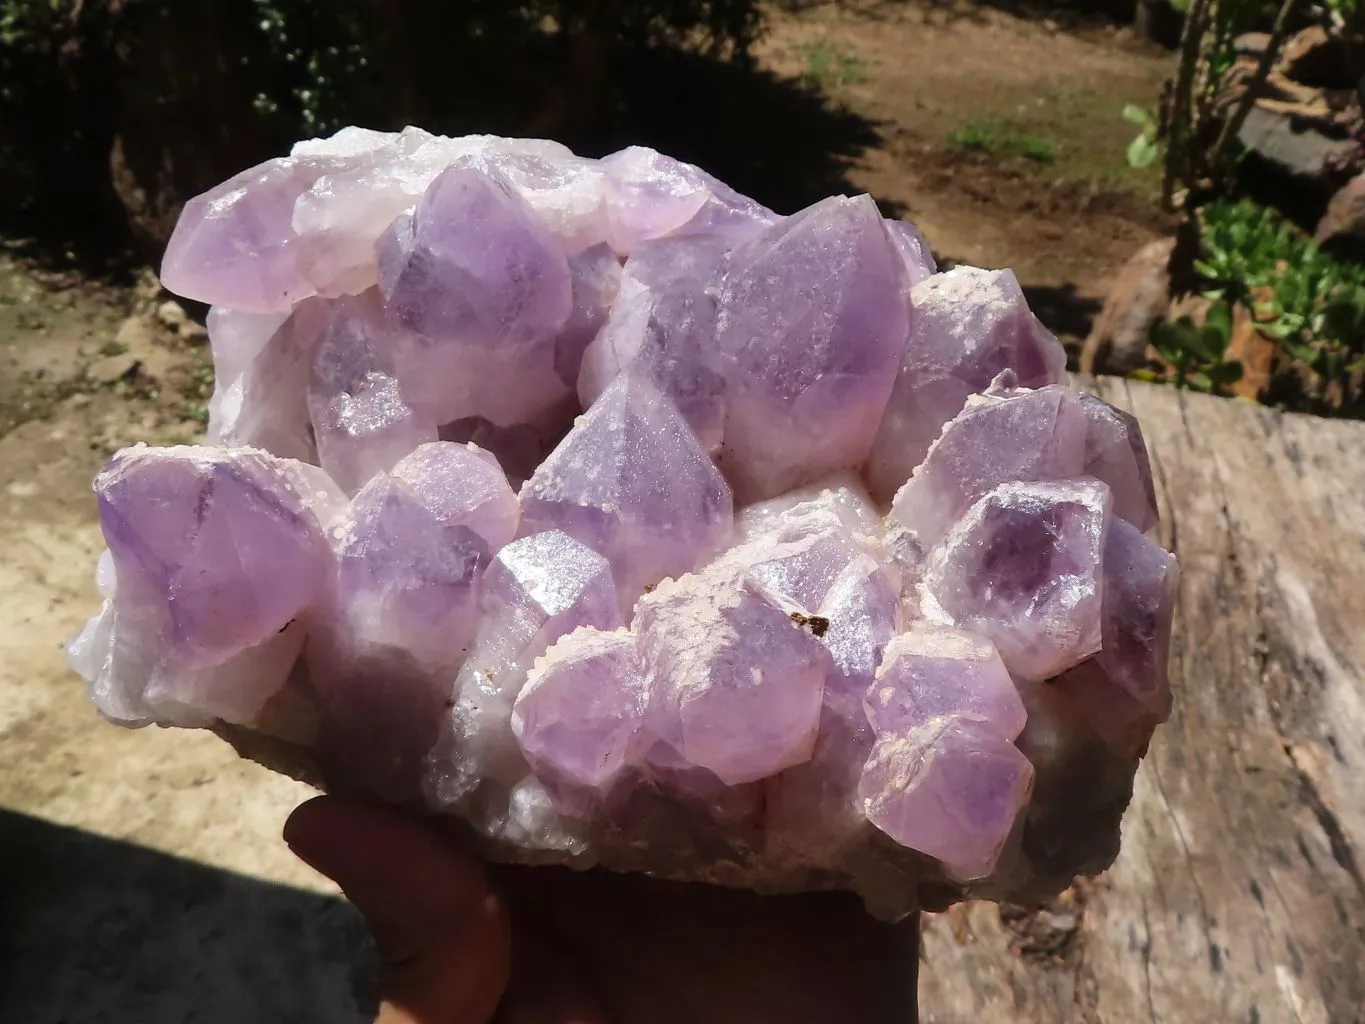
(637, 525)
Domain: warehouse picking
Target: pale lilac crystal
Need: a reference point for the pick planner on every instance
(913, 249)
(1116, 454)
(1015, 435)
(484, 321)
(1023, 569)
(810, 693)
(400, 619)
(596, 274)
(1123, 691)
(632, 482)
(812, 324)
(341, 214)
(235, 245)
(950, 789)
(650, 195)
(538, 589)
(214, 556)
(664, 262)
(665, 337)
(408, 573)
(262, 367)
(736, 685)
(237, 339)
(340, 217)
(362, 420)
(462, 485)
(567, 192)
(969, 326)
(472, 265)
(933, 672)
(580, 716)
(813, 807)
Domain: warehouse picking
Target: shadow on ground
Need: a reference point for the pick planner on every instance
(96, 931)
(769, 136)
(1063, 309)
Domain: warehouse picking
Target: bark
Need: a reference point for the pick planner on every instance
(1239, 894)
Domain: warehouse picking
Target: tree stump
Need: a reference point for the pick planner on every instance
(1240, 891)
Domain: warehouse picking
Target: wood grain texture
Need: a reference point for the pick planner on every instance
(1239, 894)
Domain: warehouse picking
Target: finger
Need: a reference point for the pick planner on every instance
(441, 929)
(546, 987)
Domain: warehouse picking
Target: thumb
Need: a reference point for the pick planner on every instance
(442, 931)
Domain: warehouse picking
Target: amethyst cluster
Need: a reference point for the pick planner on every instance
(633, 524)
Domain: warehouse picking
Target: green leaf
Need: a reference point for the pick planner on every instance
(1219, 316)
(1142, 152)
(1144, 373)
(1199, 382)
(1134, 114)
(1225, 373)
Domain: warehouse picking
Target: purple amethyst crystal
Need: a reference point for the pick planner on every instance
(682, 537)
(655, 507)
(951, 790)
(1000, 437)
(215, 557)
(812, 326)
(580, 715)
(537, 590)
(969, 326)
(1023, 569)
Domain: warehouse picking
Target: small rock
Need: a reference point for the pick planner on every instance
(193, 333)
(137, 335)
(172, 315)
(1283, 143)
(113, 368)
(148, 287)
(1251, 44)
(1118, 341)
(1342, 228)
(1250, 348)
(1314, 57)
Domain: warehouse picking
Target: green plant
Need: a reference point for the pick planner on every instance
(1143, 150)
(1310, 304)
(1197, 353)
(1001, 141)
(1195, 127)
(828, 67)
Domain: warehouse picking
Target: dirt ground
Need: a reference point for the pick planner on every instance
(1002, 136)
(999, 134)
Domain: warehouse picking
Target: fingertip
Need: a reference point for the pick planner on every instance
(309, 824)
(441, 927)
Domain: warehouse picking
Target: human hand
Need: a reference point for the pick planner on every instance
(465, 943)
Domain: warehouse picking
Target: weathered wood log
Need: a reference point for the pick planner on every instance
(1239, 894)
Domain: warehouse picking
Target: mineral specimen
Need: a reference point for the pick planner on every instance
(636, 525)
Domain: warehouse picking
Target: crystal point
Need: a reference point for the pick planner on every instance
(951, 790)
(1018, 435)
(1023, 568)
(969, 325)
(632, 482)
(813, 321)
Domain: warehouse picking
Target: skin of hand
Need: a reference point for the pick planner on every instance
(462, 942)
